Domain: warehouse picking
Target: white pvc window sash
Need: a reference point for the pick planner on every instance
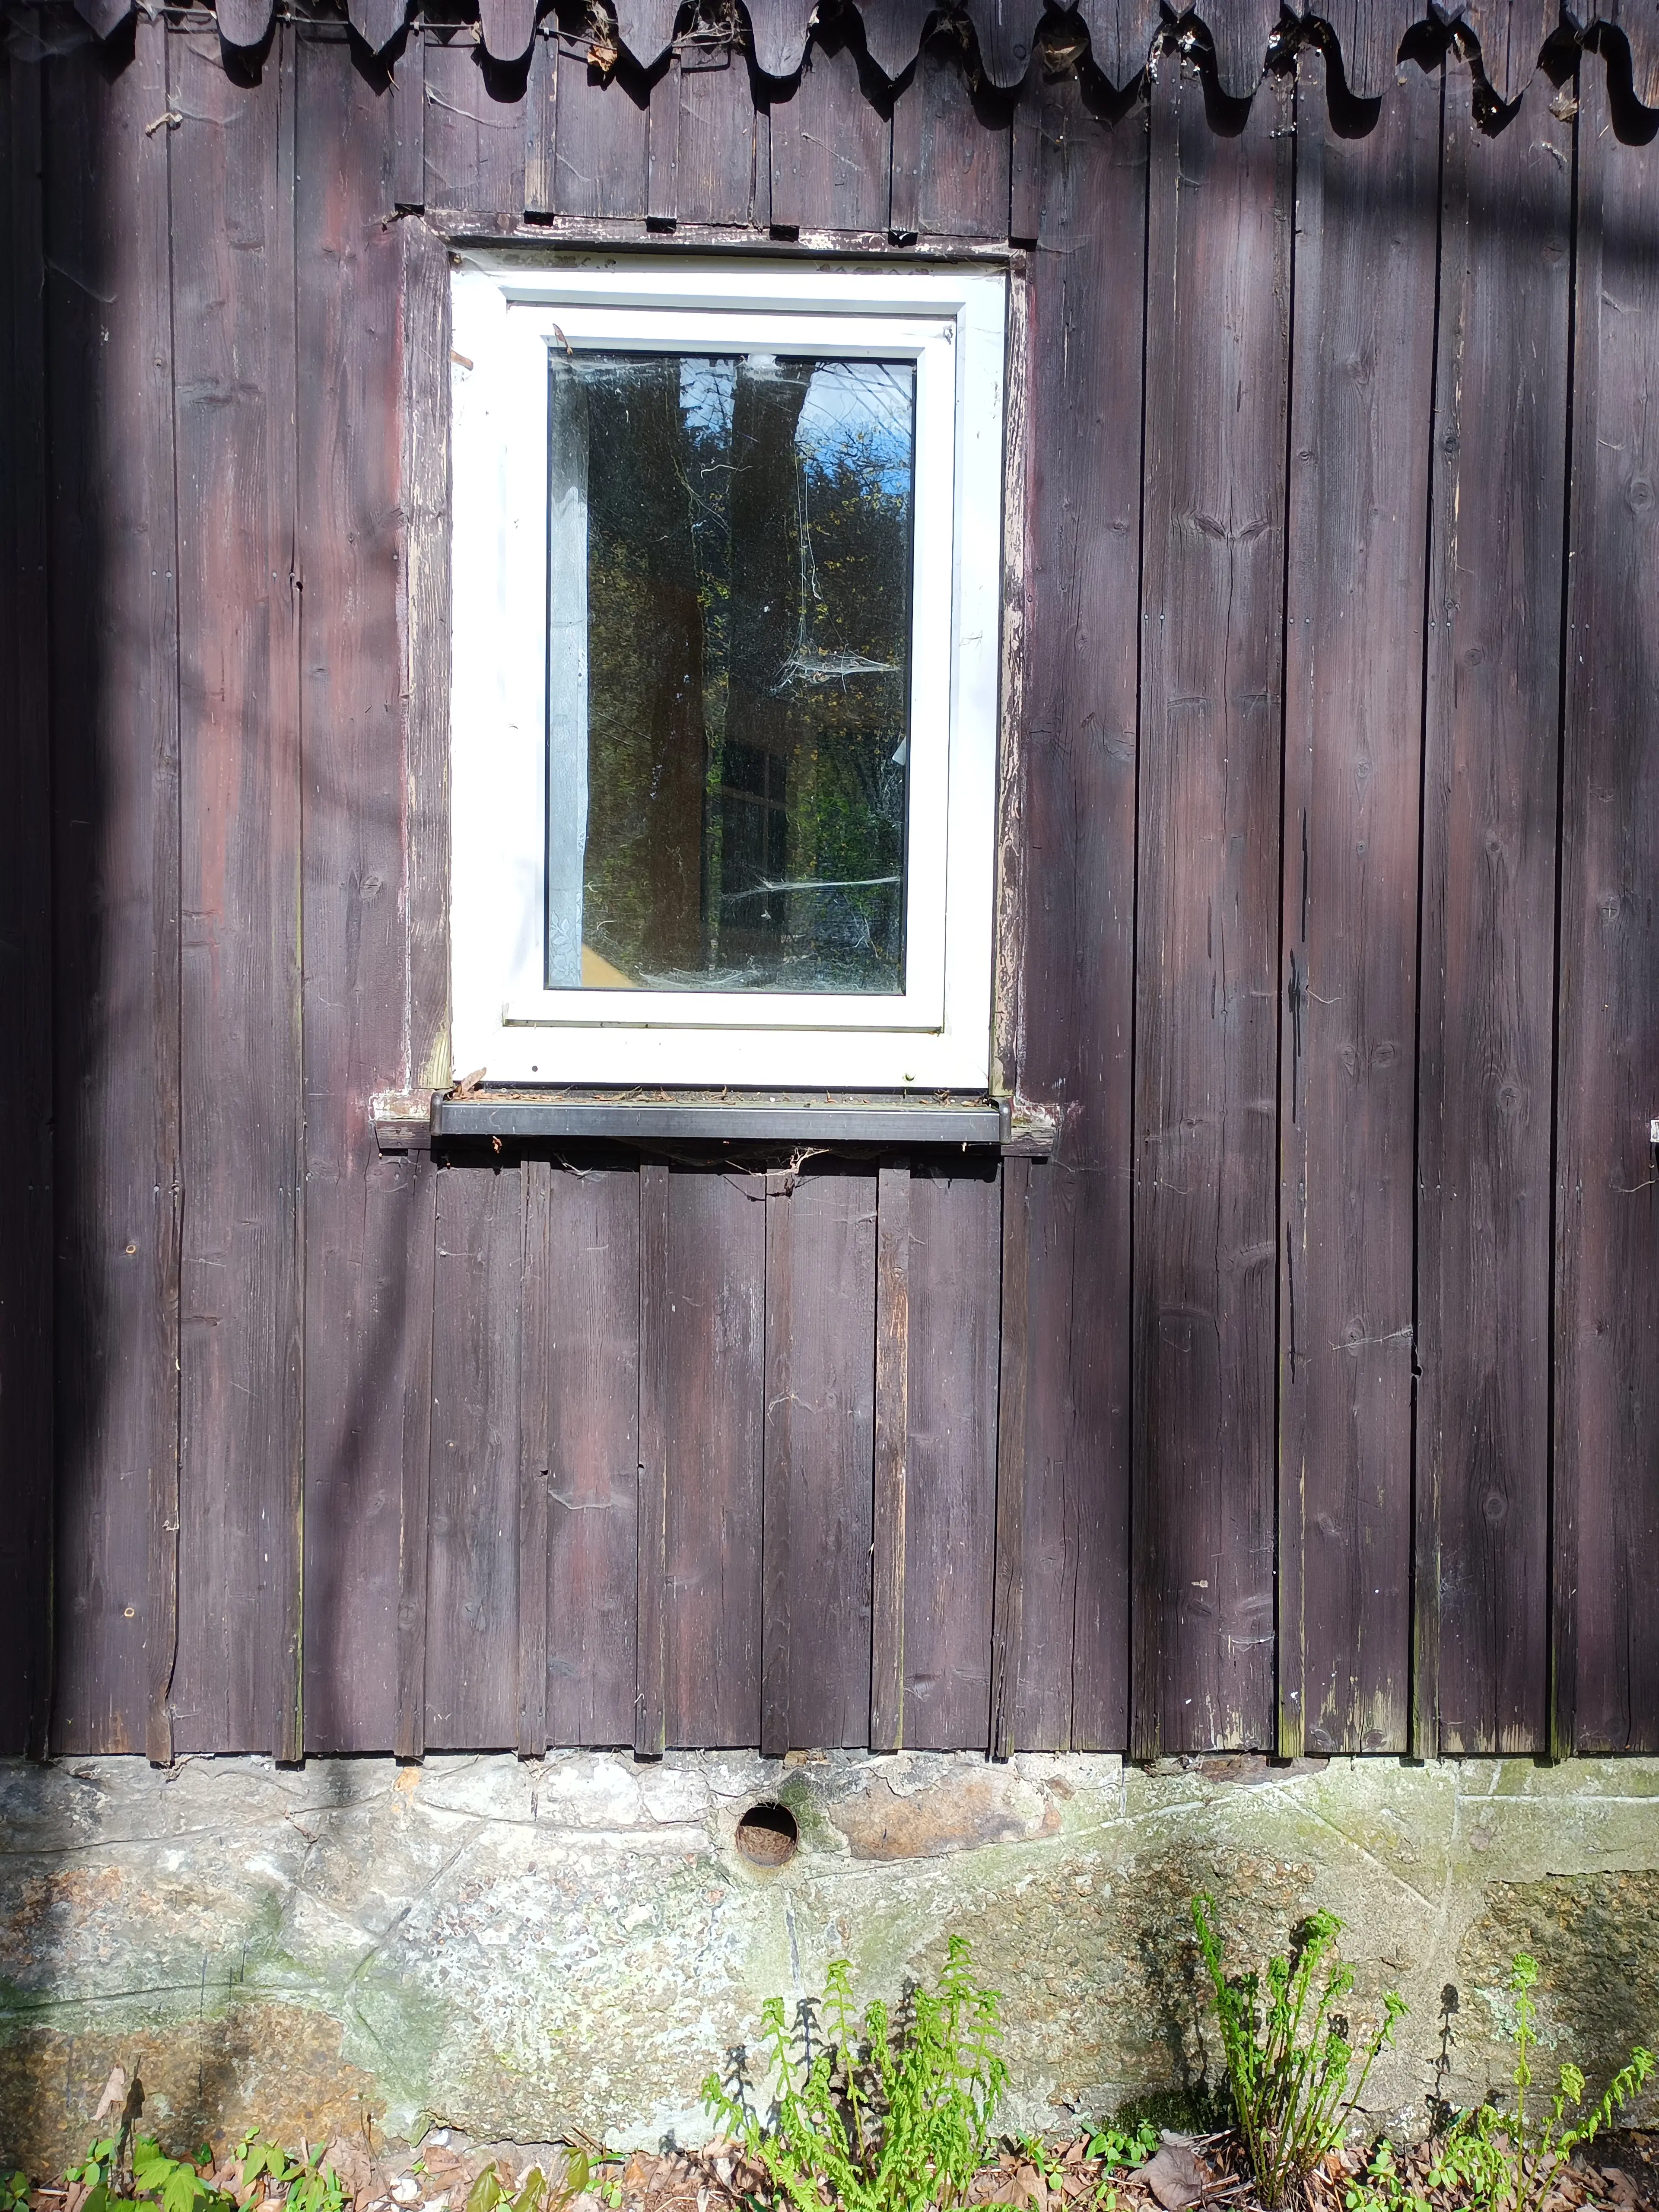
(519, 709)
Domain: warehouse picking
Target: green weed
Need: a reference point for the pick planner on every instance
(1290, 2061)
(535, 2193)
(1506, 2161)
(888, 2115)
(1119, 2148)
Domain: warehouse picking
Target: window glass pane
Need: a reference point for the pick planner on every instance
(729, 627)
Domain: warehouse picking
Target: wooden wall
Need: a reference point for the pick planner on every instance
(1305, 1399)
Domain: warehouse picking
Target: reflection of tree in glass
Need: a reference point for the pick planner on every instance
(749, 552)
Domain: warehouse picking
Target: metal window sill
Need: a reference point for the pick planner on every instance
(666, 1117)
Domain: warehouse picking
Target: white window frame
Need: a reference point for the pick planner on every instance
(507, 313)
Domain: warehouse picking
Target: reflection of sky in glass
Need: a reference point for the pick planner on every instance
(856, 412)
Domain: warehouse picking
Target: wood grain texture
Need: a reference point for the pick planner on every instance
(507, 27)
(1361, 401)
(377, 22)
(600, 160)
(474, 130)
(409, 124)
(962, 155)
(1013, 1357)
(891, 1442)
(716, 1388)
(777, 1477)
(830, 148)
(27, 1350)
(535, 1452)
(831, 1375)
(1512, 35)
(1368, 35)
(541, 177)
(778, 31)
(1240, 30)
(718, 127)
(236, 1683)
(1606, 1240)
(956, 1236)
(1120, 35)
(594, 1535)
(1639, 22)
(656, 1430)
(1206, 1170)
(354, 938)
(472, 1568)
(1082, 583)
(113, 967)
(1489, 887)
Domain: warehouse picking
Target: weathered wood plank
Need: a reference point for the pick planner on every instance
(717, 1388)
(236, 1685)
(594, 1537)
(656, 1431)
(891, 1427)
(599, 157)
(777, 1477)
(409, 124)
(831, 1408)
(1083, 551)
(718, 127)
(1014, 1353)
(830, 148)
(472, 1570)
(113, 967)
(1206, 1170)
(1489, 886)
(26, 971)
(424, 515)
(474, 130)
(541, 185)
(962, 159)
(1606, 1289)
(950, 1472)
(362, 1336)
(535, 1452)
(1362, 393)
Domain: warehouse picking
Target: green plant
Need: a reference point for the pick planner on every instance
(1119, 2148)
(1506, 2161)
(13, 2191)
(305, 2186)
(890, 2114)
(535, 2193)
(1290, 2062)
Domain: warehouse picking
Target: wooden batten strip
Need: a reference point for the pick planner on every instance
(409, 124)
(541, 121)
(892, 1444)
(650, 1695)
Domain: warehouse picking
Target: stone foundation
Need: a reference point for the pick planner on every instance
(519, 1950)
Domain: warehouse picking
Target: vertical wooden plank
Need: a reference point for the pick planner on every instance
(831, 1377)
(1362, 395)
(1012, 1396)
(594, 1293)
(474, 130)
(600, 160)
(830, 148)
(535, 1453)
(1607, 1239)
(963, 173)
(1083, 572)
(541, 127)
(777, 1476)
(1490, 772)
(472, 1629)
(718, 128)
(235, 1688)
(1207, 1031)
(951, 1485)
(656, 1426)
(892, 1403)
(716, 1297)
(27, 1349)
(904, 187)
(363, 1332)
(662, 148)
(409, 124)
(113, 962)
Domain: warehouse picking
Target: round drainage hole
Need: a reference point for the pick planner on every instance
(767, 1836)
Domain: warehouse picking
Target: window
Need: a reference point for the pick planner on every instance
(727, 581)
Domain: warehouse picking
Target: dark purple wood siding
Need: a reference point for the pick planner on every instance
(1302, 1398)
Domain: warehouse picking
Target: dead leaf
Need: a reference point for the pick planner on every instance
(1175, 2178)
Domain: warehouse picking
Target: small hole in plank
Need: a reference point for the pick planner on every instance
(767, 1835)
